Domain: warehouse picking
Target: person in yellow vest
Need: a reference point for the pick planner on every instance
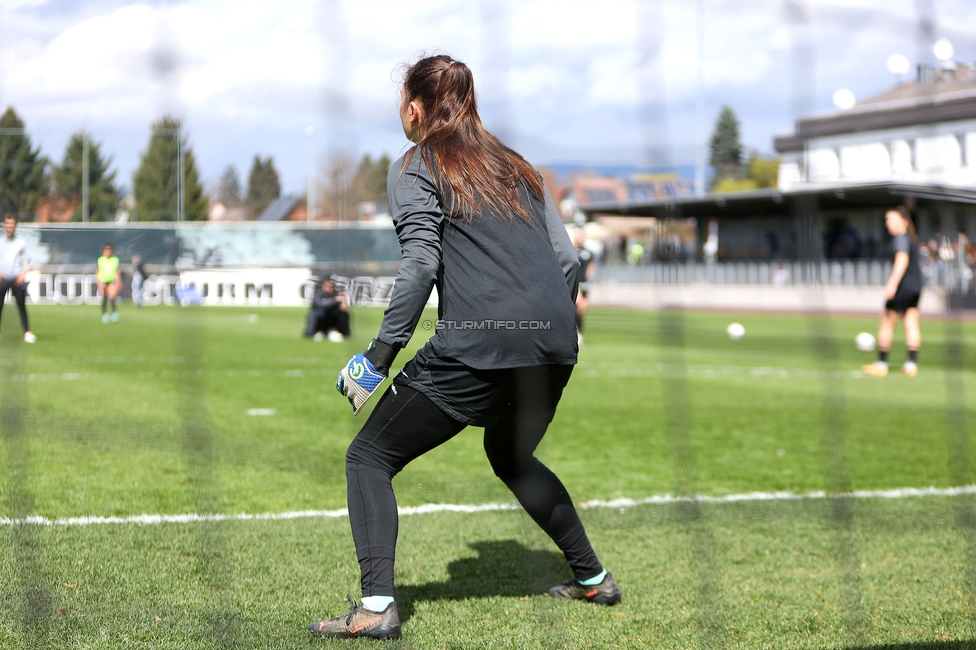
(109, 281)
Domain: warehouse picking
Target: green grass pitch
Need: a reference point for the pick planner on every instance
(225, 410)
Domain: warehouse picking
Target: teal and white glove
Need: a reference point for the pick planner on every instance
(364, 373)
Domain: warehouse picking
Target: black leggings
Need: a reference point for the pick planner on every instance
(406, 424)
(20, 296)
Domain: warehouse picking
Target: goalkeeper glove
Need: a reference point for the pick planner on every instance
(364, 373)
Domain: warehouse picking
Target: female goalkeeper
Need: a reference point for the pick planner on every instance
(474, 220)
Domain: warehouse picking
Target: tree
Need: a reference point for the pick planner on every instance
(103, 194)
(765, 171)
(369, 181)
(761, 173)
(347, 185)
(21, 167)
(337, 195)
(263, 187)
(229, 191)
(726, 148)
(156, 182)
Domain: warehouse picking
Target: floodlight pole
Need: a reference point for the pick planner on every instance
(700, 105)
(84, 176)
(310, 181)
(179, 172)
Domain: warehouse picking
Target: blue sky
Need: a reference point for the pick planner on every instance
(563, 81)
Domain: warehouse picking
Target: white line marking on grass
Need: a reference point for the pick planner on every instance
(428, 508)
(898, 493)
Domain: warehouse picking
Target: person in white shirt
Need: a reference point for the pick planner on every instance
(15, 261)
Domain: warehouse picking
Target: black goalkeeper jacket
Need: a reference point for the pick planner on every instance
(506, 287)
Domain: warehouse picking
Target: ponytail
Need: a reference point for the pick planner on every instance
(476, 173)
(907, 216)
(453, 101)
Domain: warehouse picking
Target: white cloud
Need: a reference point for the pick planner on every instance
(106, 54)
(541, 79)
(612, 81)
(572, 24)
(14, 5)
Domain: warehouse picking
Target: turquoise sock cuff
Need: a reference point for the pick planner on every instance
(595, 580)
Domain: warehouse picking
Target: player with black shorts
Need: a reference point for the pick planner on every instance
(902, 292)
(328, 315)
(15, 262)
(587, 268)
(473, 219)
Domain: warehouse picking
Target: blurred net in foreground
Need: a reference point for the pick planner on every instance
(717, 606)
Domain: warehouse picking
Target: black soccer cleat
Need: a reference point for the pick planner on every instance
(361, 623)
(605, 593)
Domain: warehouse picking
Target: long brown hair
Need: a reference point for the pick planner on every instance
(481, 173)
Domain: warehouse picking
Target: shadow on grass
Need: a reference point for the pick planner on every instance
(502, 568)
(922, 645)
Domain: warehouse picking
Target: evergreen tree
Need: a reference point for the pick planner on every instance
(21, 168)
(156, 182)
(263, 187)
(229, 191)
(726, 148)
(103, 195)
(196, 203)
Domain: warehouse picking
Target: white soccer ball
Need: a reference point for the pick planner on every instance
(735, 331)
(865, 342)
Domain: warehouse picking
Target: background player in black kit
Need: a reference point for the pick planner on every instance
(901, 293)
(474, 220)
(585, 257)
(329, 313)
(15, 261)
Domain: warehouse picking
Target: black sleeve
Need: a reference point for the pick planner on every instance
(317, 297)
(563, 245)
(417, 216)
(902, 243)
(328, 302)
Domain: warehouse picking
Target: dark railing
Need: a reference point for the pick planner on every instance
(853, 273)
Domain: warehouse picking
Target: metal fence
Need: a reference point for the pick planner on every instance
(855, 273)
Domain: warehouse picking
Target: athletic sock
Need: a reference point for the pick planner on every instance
(595, 580)
(104, 304)
(913, 356)
(377, 603)
(883, 357)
